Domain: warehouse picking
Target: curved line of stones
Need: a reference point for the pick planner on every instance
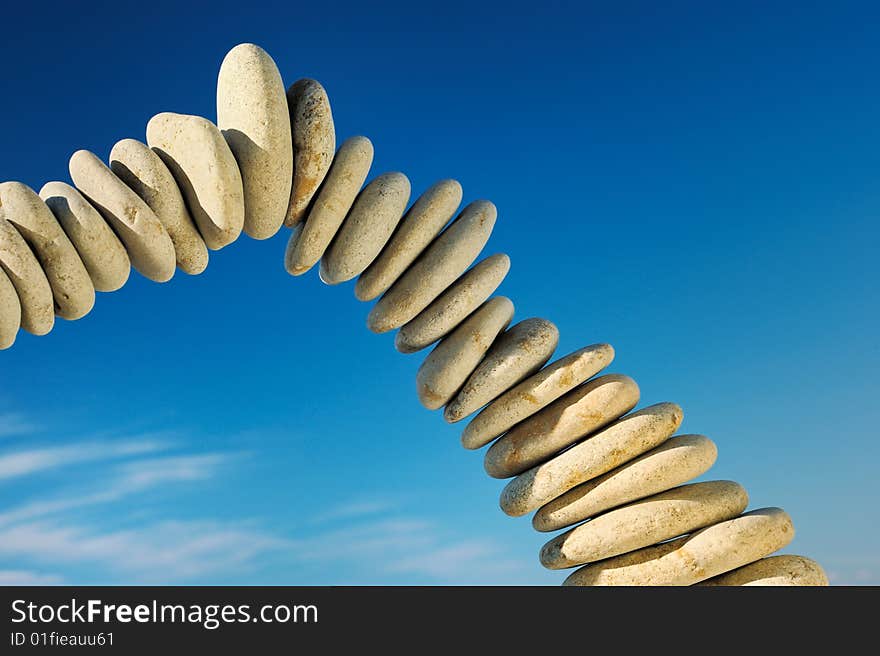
(568, 438)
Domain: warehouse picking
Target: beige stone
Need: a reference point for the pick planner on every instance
(421, 224)
(10, 311)
(100, 250)
(578, 413)
(534, 393)
(367, 228)
(516, 354)
(314, 141)
(206, 172)
(146, 175)
(72, 290)
(454, 305)
(333, 202)
(697, 557)
(674, 462)
(149, 247)
(448, 366)
(253, 117)
(27, 277)
(666, 515)
(448, 256)
(775, 571)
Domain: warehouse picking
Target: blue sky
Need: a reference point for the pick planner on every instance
(699, 186)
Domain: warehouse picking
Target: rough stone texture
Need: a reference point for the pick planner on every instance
(454, 305)
(27, 277)
(448, 366)
(149, 247)
(314, 141)
(367, 228)
(333, 202)
(205, 170)
(10, 311)
(516, 354)
(448, 256)
(565, 421)
(100, 250)
(253, 117)
(72, 290)
(534, 393)
(674, 462)
(775, 571)
(147, 176)
(697, 557)
(643, 523)
(424, 221)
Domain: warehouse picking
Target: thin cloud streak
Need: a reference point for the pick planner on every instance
(24, 463)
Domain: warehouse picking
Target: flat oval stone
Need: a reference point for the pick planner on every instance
(604, 450)
(448, 256)
(72, 290)
(517, 353)
(253, 117)
(421, 224)
(146, 175)
(565, 421)
(10, 312)
(454, 305)
(333, 202)
(146, 240)
(27, 277)
(206, 172)
(643, 523)
(100, 250)
(367, 228)
(534, 393)
(314, 141)
(448, 366)
(775, 571)
(697, 557)
(673, 463)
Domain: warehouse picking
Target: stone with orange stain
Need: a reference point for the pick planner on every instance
(448, 366)
(454, 305)
(311, 238)
(314, 142)
(534, 393)
(693, 558)
(565, 421)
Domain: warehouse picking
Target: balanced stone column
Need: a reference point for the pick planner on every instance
(775, 571)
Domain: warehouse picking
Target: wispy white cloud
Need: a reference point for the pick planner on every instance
(26, 577)
(355, 508)
(27, 462)
(162, 552)
(130, 478)
(12, 423)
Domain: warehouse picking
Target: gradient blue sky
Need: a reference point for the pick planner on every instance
(699, 186)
